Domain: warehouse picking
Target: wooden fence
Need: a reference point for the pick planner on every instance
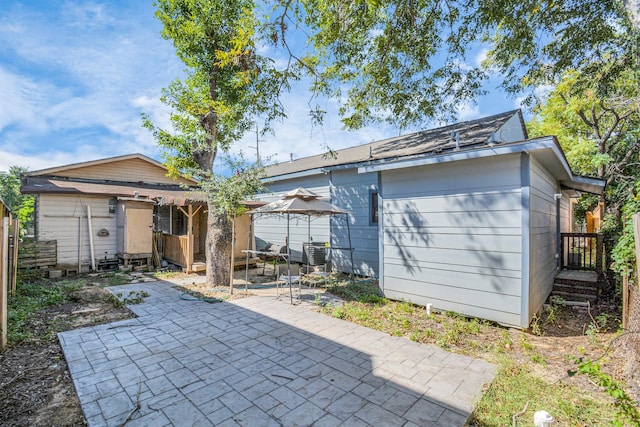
(175, 249)
(34, 254)
(629, 297)
(8, 265)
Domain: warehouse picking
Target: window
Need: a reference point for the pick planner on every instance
(373, 198)
(112, 205)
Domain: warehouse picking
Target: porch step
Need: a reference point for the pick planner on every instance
(576, 286)
(583, 289)
(575, 297)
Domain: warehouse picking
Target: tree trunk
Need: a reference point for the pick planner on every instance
(218, 248)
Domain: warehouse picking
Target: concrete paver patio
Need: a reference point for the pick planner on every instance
(260, 361)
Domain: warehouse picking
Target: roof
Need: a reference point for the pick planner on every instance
(468, 134)
(53, 170)
(545, 149)
(75, 170)
(163, 194)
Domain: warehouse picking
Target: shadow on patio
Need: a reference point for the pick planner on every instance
(260, 361)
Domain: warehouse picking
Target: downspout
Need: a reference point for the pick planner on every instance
(91, 247)
(558, 230)
(525, 188)
(380, 235)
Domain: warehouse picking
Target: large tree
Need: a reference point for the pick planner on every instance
(227, 83)
(21, 205)
(404, 62)
(600, 135)
(407, 61)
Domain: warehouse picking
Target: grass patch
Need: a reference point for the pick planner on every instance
(361, 290)
(32, 298)
(114, 279)
(514, 386)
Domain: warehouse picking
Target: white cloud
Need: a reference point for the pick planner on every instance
(86, 15)
(46, 159)
(468, 111)
(481, 56)
(20, 101)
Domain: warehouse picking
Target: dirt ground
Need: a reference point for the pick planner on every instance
(35, 384)
(36, 388)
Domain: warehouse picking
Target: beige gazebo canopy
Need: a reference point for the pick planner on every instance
(306, 203)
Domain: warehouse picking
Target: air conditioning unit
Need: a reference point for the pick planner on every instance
(314, 253)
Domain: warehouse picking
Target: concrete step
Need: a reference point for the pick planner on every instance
(570, 288)
(572, 296)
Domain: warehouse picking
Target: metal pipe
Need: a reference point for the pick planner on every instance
(289, 261)
(346, 215)
(93, 256)
(249, 248)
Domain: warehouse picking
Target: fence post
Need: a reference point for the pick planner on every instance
(4, 285)
(562, 251)
(14, 255)
(636, 232)
(599, 253)
(625, 279)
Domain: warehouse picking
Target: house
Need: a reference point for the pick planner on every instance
(107, 210)
(465, 217)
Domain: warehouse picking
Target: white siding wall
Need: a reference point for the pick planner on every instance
(351, 192)
(542, 236)
(273, 228)
(59, 218)
(452, 236)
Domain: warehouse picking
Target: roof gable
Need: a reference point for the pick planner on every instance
(499, 128)
(128, 168)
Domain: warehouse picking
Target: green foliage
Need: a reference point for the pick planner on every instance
(407, 62)
(514, 386)
(134, 297)
(535, 42)
(599, 134)
(627, 412)
(21, 205)
(366, 291)
(30, 299)
(227, 84)
(228, 193)
(623, 254)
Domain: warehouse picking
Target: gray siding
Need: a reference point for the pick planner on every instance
(273, 228)
(452, 236)
(59, 218)
(352, 191)
(542, 237)
(512, 130)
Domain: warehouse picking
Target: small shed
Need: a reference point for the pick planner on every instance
(114, 208)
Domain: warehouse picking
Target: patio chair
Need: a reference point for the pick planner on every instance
(284, 277)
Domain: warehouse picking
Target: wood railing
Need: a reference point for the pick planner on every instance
(176, 249)
(582, 251)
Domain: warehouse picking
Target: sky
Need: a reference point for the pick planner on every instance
(75, 77)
